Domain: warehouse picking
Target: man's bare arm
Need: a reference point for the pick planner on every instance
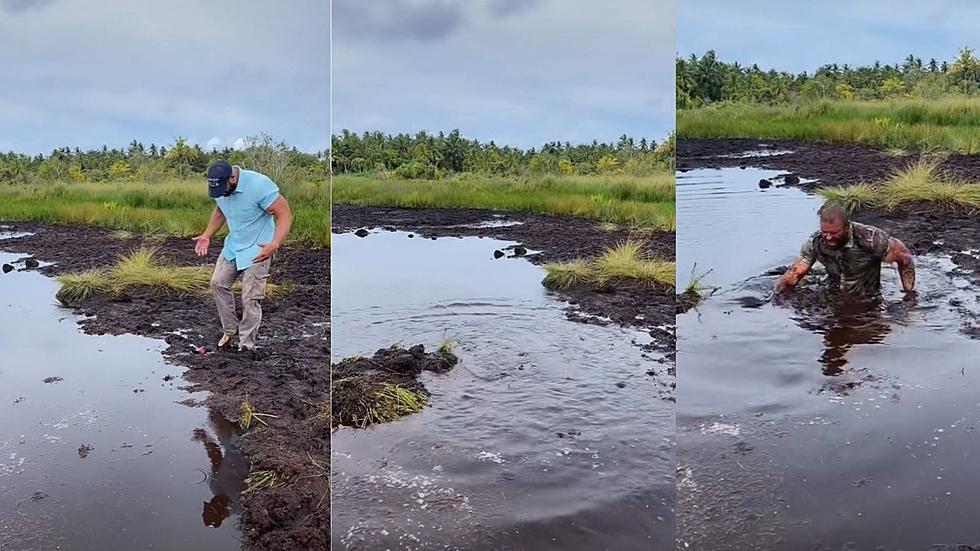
(792, 277)
(214, 224)
(900, 255)
(284, 220)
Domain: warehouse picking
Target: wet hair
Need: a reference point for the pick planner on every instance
(832, 212)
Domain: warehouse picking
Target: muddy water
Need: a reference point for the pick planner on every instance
(548, 433)
(100, 457)
(811, 422)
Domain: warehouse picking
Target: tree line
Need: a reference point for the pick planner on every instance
(704, 80)
(181, 160)
(432, 156)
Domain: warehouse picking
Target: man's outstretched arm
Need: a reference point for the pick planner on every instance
(796, 272)
(900, 255)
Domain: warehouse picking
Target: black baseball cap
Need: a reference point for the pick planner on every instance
(219, 172)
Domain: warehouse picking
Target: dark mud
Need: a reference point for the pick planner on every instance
(289, 378)
(922, 228)
(555, 238)
(828, 164)
(355, 381)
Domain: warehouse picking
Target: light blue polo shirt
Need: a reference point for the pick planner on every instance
(248, 222)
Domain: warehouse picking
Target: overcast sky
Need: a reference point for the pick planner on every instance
(521, 72)
(801, 36)
(86, 73)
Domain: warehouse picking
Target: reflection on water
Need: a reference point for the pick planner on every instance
(814, 420)
(228, 468)
(548, 434)
(100, 457)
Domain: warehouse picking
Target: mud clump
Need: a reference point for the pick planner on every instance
(31, 263)
(362, 232)
(7, 268)
(384, 387)
(686, 301)
(764, 184)
(498, 254)
(50, 380)
(84, 450)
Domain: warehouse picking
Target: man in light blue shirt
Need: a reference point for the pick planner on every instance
(258, 220)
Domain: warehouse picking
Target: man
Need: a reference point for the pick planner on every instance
(852, 254)
(258, 220)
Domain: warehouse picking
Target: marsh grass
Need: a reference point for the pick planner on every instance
(249, 415)
(142, 269)
(178, 207)
(633, 201)
(944, 124)
(359, 402)
(920, 183)
(626, 262)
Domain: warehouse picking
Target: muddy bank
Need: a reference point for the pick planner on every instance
(557, 238)
(829, 164)
(922, 228)
(385, 386)
(288, 380)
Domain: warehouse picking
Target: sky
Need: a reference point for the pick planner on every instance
(801, 36)
(520, 72)
(86, 73)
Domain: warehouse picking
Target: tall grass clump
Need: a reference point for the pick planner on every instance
(142, 269)
(920, 183)
(626, 262)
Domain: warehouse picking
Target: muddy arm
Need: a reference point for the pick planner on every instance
(900, 255)
(796, 272)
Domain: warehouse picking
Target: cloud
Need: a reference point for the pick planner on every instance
(397, 20)
(506, 8)
(20, 6)
(797, 36)
(534, 71)
(152, 77)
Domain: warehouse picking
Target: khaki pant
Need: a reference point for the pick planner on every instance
(253, 290)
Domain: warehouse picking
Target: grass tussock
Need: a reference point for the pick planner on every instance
(920, 183)
(899, 124)
(359, 402)
(626, 262)
(142, 269)
(634, 201)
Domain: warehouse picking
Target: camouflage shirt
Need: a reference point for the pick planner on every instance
(855, 267)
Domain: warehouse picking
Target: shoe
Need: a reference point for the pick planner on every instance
(224, 341)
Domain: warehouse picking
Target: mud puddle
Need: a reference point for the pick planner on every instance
(547, 433)
(94, 451)
(811, 422)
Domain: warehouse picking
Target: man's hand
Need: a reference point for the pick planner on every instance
(201, 245)
(796, 272)
(267, 251)
(900, 255)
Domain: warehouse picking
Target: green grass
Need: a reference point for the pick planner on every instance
(141, 269)
(646, 201)
(626, 262)
(360, 402)
(695, 285)
(946, 124)
(920, 183)
(179, 208)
